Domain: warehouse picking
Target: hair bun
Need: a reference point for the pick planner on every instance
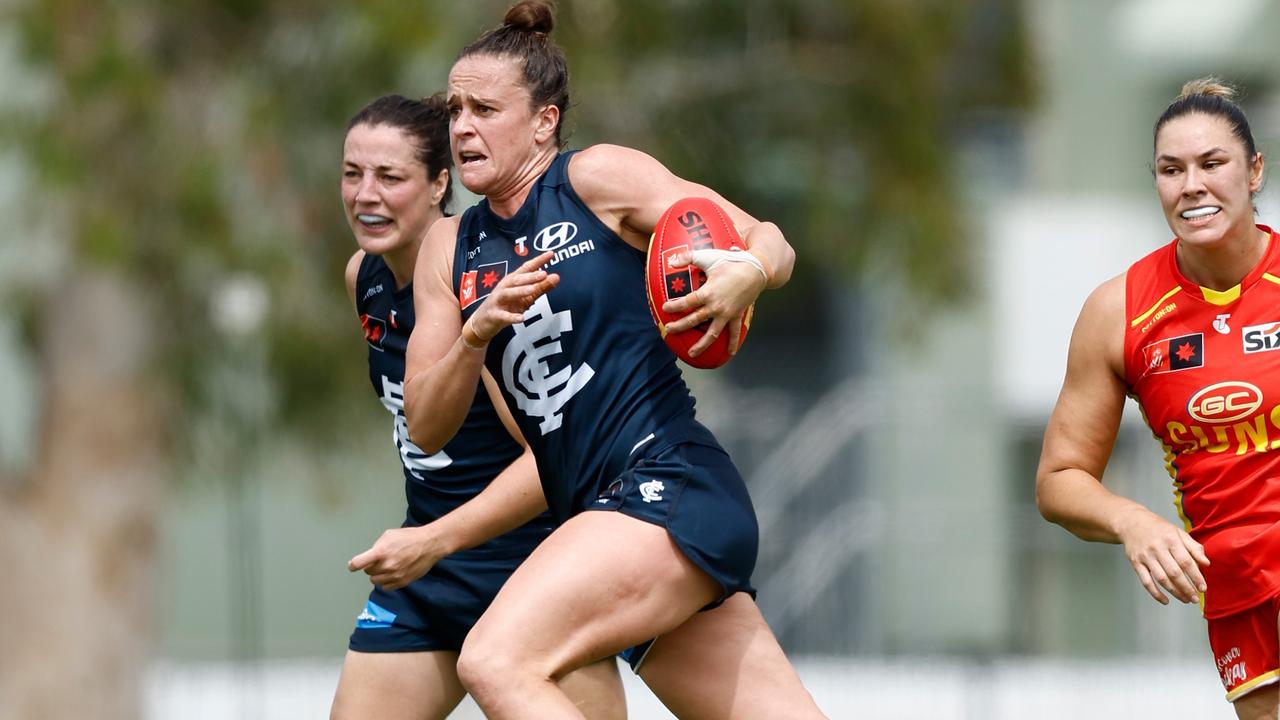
(531, 16)
(1210, 86)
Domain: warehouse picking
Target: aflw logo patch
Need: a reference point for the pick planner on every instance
(1180, 353)
(477, 284)
(375, 330)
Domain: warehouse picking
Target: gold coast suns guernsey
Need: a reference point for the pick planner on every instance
(1204, 365)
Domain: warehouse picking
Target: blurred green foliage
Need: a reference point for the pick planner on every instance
(188, 140)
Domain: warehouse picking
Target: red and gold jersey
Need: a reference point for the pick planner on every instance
(1204, 365)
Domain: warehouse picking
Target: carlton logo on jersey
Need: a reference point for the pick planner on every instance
(526, 365)
(1225, 402)
(1261, 338)
(411, 456)
(651, 491)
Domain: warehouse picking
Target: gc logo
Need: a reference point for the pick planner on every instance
(1225, 402)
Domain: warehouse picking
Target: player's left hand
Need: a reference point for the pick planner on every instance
(400, 556)
(735, 278)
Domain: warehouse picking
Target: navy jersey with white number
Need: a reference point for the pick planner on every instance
(586, 374)
(482, 448)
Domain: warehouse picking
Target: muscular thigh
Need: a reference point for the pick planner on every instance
(397, 686)
(726, 663)
(596, 690)
(1261, 704)
(600, 583)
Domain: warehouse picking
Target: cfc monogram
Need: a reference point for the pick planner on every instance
(526, 371)
(651, 491)
(411, 456)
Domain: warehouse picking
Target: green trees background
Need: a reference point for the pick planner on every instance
(174, 153)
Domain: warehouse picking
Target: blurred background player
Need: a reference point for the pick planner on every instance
(429, 587)
(1192, 332)
(599, 398)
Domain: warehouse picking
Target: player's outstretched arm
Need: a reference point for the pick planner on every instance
(1078, 443)
(513, 498)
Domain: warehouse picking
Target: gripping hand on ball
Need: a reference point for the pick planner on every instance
(735, 278)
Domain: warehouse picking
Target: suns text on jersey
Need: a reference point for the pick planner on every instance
(1259, 432)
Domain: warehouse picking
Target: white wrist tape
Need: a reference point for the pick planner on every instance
(707, 259)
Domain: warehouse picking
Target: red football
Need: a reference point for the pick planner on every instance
(690, 224)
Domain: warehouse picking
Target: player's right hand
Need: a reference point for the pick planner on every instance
(1164, 556)
(400, 556)
(513, 294)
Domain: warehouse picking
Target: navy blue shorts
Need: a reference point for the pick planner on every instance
(434, 612)
(692, 489)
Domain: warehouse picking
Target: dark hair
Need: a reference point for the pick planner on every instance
(525, 35)
(1210, 96)
(426, 121)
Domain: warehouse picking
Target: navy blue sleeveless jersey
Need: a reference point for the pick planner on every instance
(587, 375)
(482, 448)
(594, 388)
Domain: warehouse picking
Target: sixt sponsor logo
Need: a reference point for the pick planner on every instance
(1261, 338)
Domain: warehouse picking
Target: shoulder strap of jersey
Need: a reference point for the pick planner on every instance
(558, 173)
(1149, 288)
(1149, 285)
(371, 266)
(468, 227)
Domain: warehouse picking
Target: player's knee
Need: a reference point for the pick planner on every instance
(486, 668)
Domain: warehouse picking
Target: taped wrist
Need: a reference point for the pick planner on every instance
(471, 339)
(708, 259)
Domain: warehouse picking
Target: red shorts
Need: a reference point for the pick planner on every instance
(1246, 648)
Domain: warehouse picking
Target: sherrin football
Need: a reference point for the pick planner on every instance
(690, 224)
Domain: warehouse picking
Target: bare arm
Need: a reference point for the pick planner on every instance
(513, 498)
(402, 555)
(444, 357)
(1077, 444)
(441, 371)
(351, 273)
(630, 190)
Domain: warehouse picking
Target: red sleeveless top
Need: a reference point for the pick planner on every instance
(1204, 366)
